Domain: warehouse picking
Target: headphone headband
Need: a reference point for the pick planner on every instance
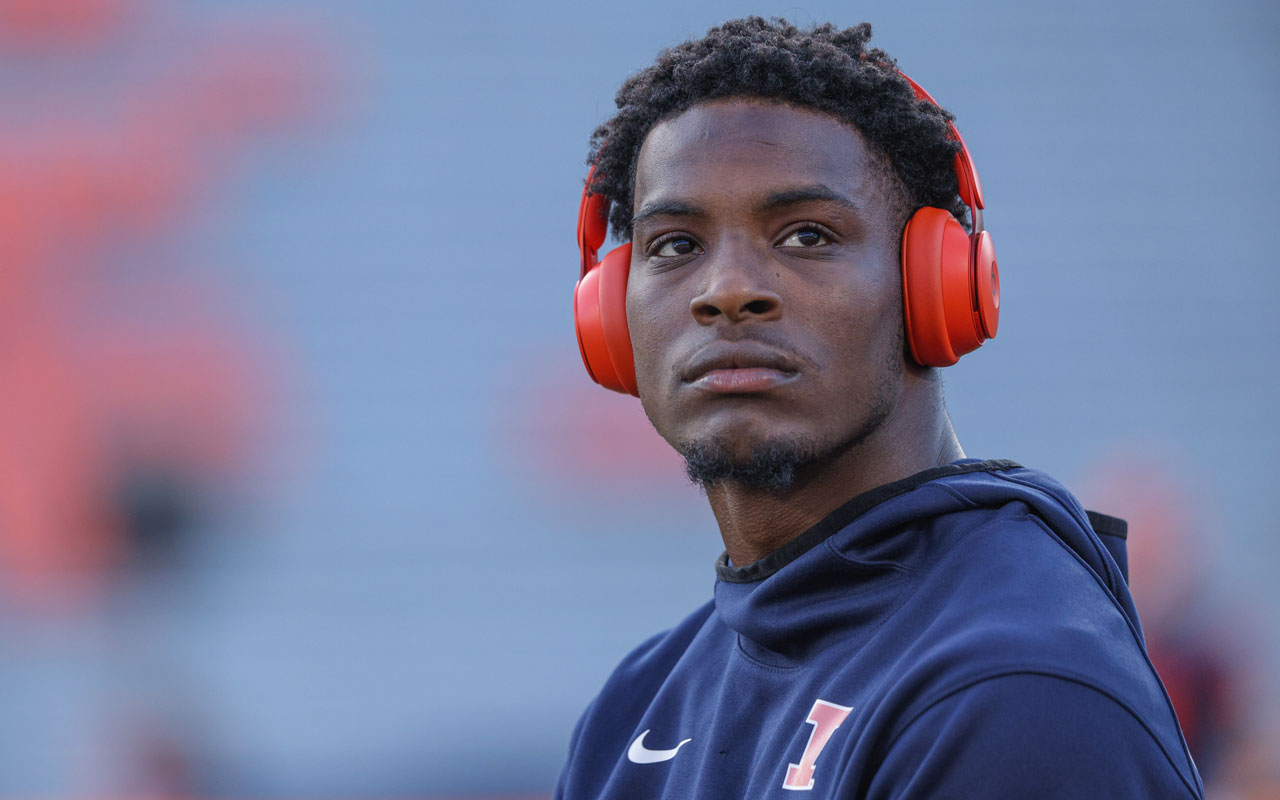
(967, 184)
(593, 224)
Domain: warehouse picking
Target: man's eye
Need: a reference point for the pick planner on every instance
(805, 237)
(679, 246)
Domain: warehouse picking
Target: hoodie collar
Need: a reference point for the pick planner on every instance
(851, 569)
(845, 515)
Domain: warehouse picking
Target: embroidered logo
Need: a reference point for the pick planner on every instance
(639, 754)
(825, 718)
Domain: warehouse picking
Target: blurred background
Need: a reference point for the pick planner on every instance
(304, 491)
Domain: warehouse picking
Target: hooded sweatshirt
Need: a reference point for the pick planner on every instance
(962, 633)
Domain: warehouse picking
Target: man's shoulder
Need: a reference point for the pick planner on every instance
(1007, 596)
(643, 669)
(632, 685)
(1032, 735)
(1009, 591)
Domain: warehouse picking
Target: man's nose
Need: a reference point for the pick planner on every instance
(739, 287)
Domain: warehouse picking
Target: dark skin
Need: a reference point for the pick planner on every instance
(765, 306)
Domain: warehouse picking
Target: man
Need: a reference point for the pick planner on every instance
(891, 619)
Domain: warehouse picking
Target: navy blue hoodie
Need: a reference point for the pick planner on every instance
(963, 633)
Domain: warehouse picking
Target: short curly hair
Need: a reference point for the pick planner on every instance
(821, 68)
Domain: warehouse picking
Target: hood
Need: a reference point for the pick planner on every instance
(858, 561)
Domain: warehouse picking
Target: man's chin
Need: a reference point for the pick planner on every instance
(767, 465)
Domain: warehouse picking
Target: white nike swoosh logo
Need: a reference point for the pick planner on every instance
(639, 754)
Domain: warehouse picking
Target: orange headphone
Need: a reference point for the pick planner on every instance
(950, 284)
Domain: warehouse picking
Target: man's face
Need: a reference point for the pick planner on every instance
(764, 298)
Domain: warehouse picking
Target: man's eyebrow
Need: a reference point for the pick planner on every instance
(807, 194)
(668, 208)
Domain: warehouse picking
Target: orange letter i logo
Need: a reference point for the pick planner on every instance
(825, 718)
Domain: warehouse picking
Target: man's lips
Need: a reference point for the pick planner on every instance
(741, 381)
(738, 367)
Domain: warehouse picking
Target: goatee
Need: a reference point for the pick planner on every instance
(770, 466)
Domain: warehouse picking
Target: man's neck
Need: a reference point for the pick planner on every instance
(755, 522)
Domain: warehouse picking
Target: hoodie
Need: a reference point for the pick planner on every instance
(962, 633)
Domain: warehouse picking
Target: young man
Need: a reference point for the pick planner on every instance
(891, 619)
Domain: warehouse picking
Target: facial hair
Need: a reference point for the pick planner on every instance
(773, 465)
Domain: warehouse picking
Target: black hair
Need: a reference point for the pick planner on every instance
(821, 68)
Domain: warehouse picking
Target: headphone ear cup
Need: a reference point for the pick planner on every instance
(938, 289)
(986, 275)
(600, 320)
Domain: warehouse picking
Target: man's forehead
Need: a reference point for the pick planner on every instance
(749, 146)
